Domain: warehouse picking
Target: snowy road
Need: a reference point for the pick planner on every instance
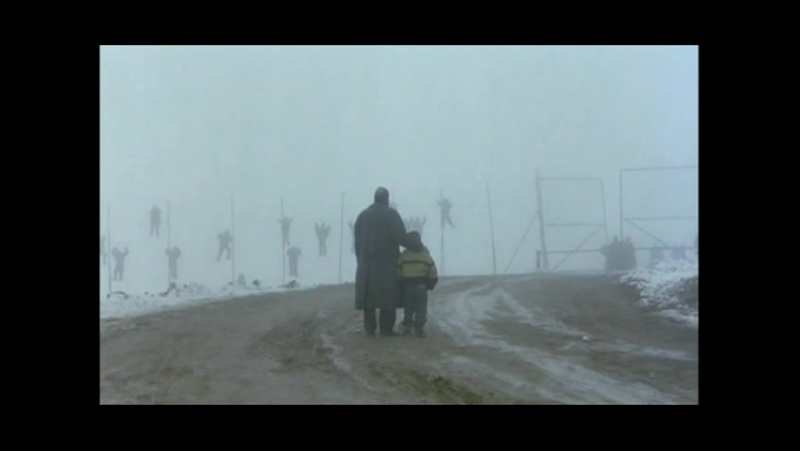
(575, 339)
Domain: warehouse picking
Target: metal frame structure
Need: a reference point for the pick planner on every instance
(595, 227)
(632, 220)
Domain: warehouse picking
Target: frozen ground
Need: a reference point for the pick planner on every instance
(573, 338)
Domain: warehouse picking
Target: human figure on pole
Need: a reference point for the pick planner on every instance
(285, 224)
(155, 220)
(173, 254)
(225, 241)
(323, 230)
(119, 262)
(444, 208)
(294, 254)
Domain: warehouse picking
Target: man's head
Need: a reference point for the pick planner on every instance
(382, 196)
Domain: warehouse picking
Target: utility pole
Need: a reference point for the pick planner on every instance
(540, 214)
(491, 227)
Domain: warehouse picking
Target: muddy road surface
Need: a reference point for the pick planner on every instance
(560, 339)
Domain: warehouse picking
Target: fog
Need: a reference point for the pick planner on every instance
(222, 136)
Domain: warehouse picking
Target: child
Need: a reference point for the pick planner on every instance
(416, 275)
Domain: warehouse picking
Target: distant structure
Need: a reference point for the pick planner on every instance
(323, 230)
(285, 225)
(225, 241)
(155, 220)
(173, 254)
(294, 255)
(119, 262)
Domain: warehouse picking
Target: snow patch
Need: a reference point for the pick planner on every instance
(120, 304)
(668, 287)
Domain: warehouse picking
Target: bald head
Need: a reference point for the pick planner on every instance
(382, 195)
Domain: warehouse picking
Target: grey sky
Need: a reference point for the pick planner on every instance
(197, 125)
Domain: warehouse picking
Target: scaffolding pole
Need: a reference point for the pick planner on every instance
(491, 228)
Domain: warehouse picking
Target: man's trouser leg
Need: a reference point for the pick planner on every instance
(388, 317)
(370, 321)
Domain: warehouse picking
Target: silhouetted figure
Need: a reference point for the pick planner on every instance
(285, 224)
(613, 255)
(444, 208)
(119, 262)
(241, 281)
(323, 230)
(294, 255)
(656, 255)
(103, 252)
(173, 254)
(155, 220)
(629, 252)
(352, 237)
(225, 241)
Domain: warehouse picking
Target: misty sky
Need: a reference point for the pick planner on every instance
(196, 126)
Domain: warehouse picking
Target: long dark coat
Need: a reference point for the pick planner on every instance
(378, 231)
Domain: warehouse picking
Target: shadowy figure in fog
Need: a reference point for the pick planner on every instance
(678, 252)
(119, 262)
(656, 255)
(323, 230)
(173, 254)
(225, 241)
(619, 255)
(285, 224)
(103, 252)
(629, 252)
(294, 255)
(352, 237)
(241, 281)
(155, 220)
(444, 208)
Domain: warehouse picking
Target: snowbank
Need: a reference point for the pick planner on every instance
(669, 287)
(120, 304)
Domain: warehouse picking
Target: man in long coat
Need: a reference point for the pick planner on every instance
(379, 231)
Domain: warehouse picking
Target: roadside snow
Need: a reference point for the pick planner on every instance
(122, 305)
(662, 286)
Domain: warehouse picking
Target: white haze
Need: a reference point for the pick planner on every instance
(199, 126)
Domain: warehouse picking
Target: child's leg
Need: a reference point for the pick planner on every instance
(421, 309)
(408, 310)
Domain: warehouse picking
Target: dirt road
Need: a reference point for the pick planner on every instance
(577, 339)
